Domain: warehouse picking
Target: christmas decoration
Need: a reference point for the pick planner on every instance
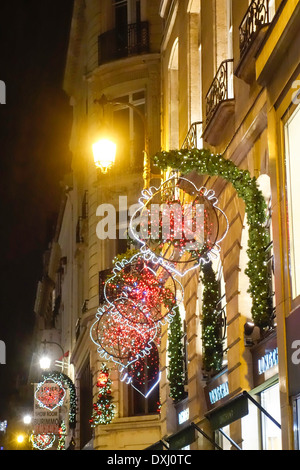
(67, 383)
(62, 437)
(144, 374)
(152, 289)
(167, 227)
(104, 409)
(204, 162)
(50, 394)
(118, 339)
(211, 322)
(42, 441)
(176, 359)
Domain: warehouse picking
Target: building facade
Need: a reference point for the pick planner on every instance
(219, 75)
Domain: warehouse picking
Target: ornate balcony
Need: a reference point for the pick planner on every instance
(112, 45)
(252, 31)
(193, 139)
(219, 103)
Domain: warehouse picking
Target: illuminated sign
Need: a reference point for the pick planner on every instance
(216, 394)
(268, 361)
(183, 416)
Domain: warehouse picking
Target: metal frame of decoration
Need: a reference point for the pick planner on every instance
(149, 255)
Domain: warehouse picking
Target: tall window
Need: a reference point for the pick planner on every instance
(130, 132)
(292, 141)
(173, 104)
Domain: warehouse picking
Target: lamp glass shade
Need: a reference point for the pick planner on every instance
(104, 154)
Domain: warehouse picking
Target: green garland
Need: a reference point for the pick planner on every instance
(211, 316)
(176, 358)
(67, 382)
(206, 163)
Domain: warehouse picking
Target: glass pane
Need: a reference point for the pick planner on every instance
(271, 434)
(250, 433)
(292, 142)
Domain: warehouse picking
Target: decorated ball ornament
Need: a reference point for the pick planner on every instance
(178, 233)
(50, 394)
(150, 288)
(118, 339)
(42, 441)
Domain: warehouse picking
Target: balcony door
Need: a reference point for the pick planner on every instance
(127, 12)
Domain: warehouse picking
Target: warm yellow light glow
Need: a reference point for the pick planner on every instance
(104, 154)
(20, 438)
(45, 362)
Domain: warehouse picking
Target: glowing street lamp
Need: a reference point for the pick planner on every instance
(45, 362)
(104, 154)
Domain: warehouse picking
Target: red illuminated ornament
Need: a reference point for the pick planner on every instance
(119, 340)
(50, 394)
(102, 379)
(42, 441)
(152, 290)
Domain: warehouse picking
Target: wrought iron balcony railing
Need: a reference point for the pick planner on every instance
(112, 45)
(193, 139)
(221, 89)
(257, 16)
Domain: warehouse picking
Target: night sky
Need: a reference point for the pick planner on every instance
(35, 129)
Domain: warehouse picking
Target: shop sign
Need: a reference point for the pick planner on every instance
(217, 391)
(183, 416)
(265, 360)
(293, 351)
(45, 421)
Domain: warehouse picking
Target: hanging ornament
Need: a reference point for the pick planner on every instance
(178, 229)
(151, 288)
(119, 340)
(42, 441)
(50, 394)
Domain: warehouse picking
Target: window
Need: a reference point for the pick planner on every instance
(130, 132)
(292, 141)
(145, 378)
(258, 430)
(86, 404)
(271, 434)
(296, 406)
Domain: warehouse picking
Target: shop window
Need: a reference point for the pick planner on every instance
(292, 141)
(296, 406)
(259, 432)
(271, 434)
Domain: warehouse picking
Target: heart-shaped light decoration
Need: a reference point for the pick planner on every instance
(50, 394)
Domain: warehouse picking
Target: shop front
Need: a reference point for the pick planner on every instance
(258, 409)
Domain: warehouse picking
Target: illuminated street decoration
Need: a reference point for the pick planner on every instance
(104, 409)
(42, 441)
(50, 394)
(151, 288)
(178, 233)
(118, 339)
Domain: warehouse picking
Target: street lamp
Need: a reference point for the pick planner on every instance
(103, 151)
(104, 154)
(45, 360)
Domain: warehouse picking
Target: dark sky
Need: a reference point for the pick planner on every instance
(35, 127)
